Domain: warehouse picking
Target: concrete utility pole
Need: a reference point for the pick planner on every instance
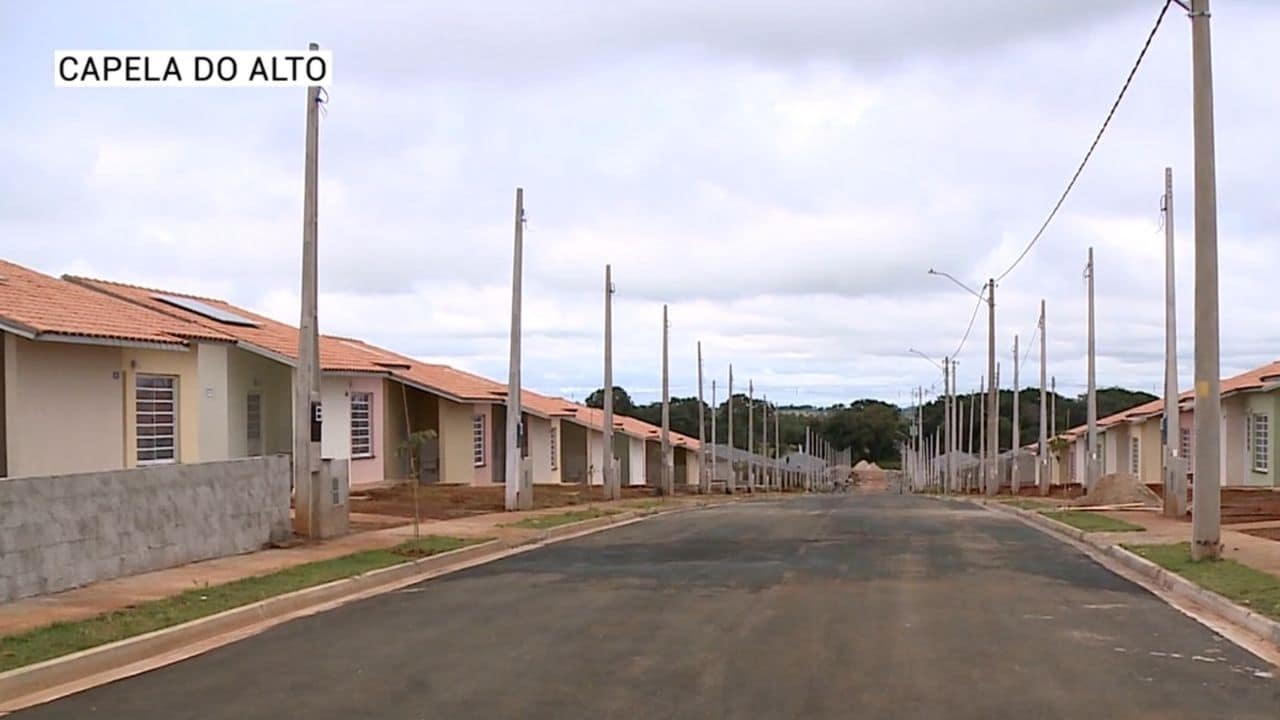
(983, 448)
(1042, 467)
(307, 413)
(1206, 517)
(518, 497)
(949, 409)
(993, 414)
(667, 476)
(1016, 446)
(612, 487)
(704, 482)
(1053, 416)
(732, 486)
(751, 436)
(715, 410)
(777, 450)
(1091, 469)
(1175, 477)
(808, 458)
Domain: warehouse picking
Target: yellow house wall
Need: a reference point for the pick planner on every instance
(64, 407)
(160, 362)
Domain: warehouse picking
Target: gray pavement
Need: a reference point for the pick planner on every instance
(848, 606)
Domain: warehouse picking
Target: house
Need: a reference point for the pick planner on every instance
(92, 383)
(245, 383)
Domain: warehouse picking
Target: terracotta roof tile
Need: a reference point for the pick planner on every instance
(266, 334)
(45, 305)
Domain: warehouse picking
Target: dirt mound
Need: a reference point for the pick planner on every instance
(1117, 489)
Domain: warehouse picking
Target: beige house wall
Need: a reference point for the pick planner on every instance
(273, 381)
(64, 406)
(457, 465)
(181, 365)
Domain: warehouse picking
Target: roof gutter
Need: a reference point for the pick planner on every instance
(176, 346)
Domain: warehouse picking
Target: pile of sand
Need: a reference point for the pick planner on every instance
(1118, 489)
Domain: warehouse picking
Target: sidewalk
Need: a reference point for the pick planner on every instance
(119, 593)
(1256, 552)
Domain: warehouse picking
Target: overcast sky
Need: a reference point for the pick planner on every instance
(782, 174)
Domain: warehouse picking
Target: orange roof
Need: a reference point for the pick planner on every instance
(440, 379)
(34, 304)
(263, 333)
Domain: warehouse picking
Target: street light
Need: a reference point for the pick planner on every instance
(926, 357)
(952, 278)
(993, 393)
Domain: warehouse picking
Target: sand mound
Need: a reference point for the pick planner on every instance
(1117, 489)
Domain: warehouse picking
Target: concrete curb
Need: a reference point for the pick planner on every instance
(1260, 626)
(57, 677)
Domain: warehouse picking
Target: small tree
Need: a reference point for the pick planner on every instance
(412, 446)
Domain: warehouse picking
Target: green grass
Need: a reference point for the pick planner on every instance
(1257, 590)
(644, 504)
(63, 638)
(543, 522)
(1028, 504)
(1091, 521)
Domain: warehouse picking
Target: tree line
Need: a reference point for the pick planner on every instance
(870, 428)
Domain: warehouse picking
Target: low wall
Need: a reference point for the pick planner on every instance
(63, 531)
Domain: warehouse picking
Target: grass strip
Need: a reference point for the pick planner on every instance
(544, 522)
(1028, 504)
(1255, 589)
(1091, 521)
(63, 638)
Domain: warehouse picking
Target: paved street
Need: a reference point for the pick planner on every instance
(850, 606)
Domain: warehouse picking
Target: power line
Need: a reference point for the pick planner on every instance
(972, 317)
(1111, 113)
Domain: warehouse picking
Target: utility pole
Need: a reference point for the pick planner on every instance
(1053, 416)
(946, 420)
(777, 450)
(612, 487)
(751, 436)
(764, 442)
(993, 392)
(1207, 515)
(1042, 467)
(1016, 447)
(704, 482)
(1091, 469)
(307, 413)
(517, 496)
(732, 487)
(949, 407)
(667, 476)
(1175, 478)
(983, 448)
(715, 410)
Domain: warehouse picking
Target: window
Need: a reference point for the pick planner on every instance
(1134, 466)
(1184, 445)
(1261, 435)
(156, 419)
(477, 440)
(253, 424)
(554, 449)
(361, 425)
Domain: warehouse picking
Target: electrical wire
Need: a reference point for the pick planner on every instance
(972, 317)
(1098, 138)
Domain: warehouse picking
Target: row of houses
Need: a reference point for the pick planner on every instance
(1131, 441)
(99, 375)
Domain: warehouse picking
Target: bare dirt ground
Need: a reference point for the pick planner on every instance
(444, 502)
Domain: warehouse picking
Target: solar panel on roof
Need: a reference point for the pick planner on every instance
(205, 309)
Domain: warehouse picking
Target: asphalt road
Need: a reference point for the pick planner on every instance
(851, 606)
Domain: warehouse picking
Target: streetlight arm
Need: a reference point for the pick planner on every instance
(926, 357)
(964, 287)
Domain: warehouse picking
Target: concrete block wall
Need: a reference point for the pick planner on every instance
(64, 531)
